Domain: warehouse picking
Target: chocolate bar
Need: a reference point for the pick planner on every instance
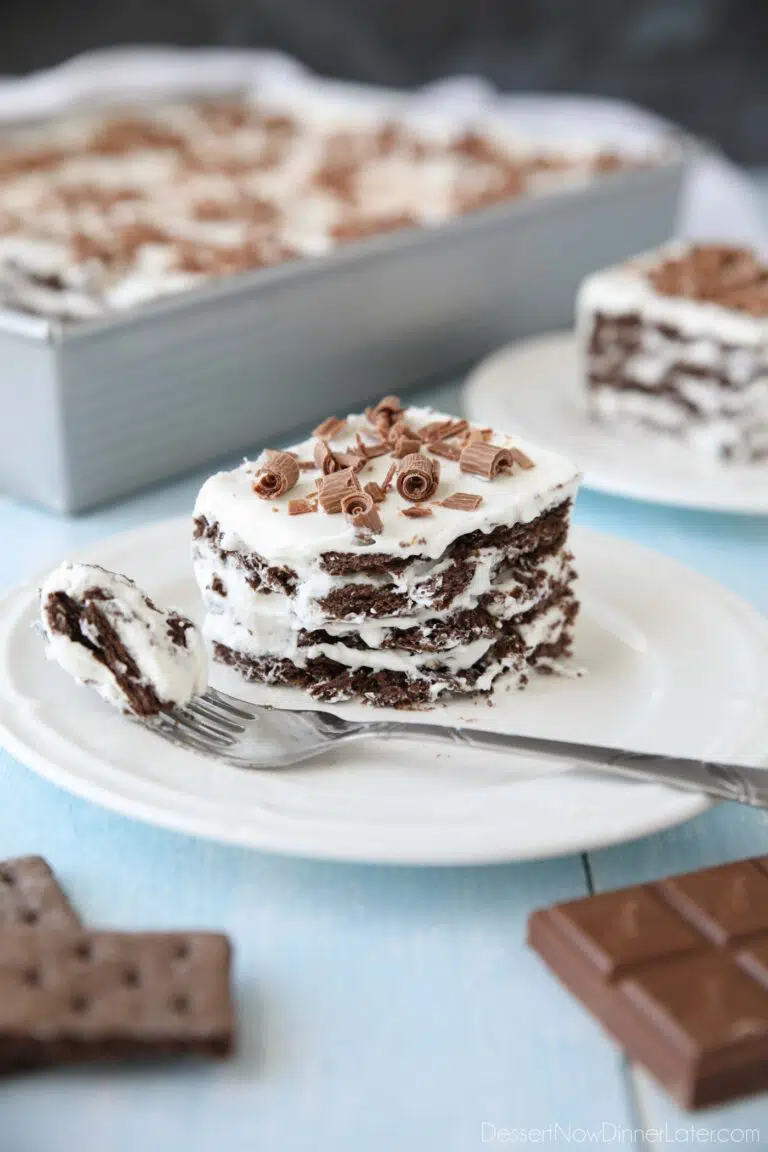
(86, 996)
(31, 897)
(677, 972)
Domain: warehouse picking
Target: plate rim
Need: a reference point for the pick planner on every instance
(193, 823)
(596, 480)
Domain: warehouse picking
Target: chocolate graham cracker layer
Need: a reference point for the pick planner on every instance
(677, 972)
(80, 997)
(31, 897)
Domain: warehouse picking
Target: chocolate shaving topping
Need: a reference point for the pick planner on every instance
(400, 429)
(277, 476)
(440, 448)
(388, 403)
(477, 435)
(325, 459)
(370, 451)
(357, 227)
(376, 491)
(329, 428)
(351, 460)
(405, 446)
(300, 507)
(732, 277)
(443, 429)
(354, 502)
(462, 501)
(359, 509)
(332, 489)
(387, 481)
(416, 512)
(418, 477)
(485, 460)
(306, 465)
(385, 414)
(520, 458)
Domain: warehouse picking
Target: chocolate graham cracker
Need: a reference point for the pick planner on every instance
(677, 972)
(31, 897)
(106, 996)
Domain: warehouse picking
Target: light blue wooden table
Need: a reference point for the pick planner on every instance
(385, 1009)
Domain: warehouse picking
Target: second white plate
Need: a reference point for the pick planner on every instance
(675, 664)
(533, 388)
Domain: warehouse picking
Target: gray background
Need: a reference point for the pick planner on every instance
(703, 63)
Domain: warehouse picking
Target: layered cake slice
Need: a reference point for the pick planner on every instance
(395, 556)
(677, 342)
(105, 632)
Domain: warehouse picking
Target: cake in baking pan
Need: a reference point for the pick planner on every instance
(100, 211)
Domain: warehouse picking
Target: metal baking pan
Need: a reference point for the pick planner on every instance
(97, 409)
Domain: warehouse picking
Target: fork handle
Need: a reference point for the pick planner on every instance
(737, 782)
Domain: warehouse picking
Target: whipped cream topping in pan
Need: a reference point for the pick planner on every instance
(106, 633)
(99, 212)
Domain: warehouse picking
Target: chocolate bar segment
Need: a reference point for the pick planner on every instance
(677, 972)
(31, 897)
(80, 997)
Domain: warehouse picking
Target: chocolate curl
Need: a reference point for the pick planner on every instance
(300, 507)
(416, 512)
(325, 460)
(383, 423)
(277, 476)
(448, 451)
(487, 460)
(386, 483)
(462, 501)
(359, 509)
(332, 489)
(418, 477)
(477, 435)
(376, 491)
(384, 414)
(521, 459)
(389, 404)
(400, 429)
(351, 460)
(370, 451)
(443, 429)
(329, 428)
(405, 446)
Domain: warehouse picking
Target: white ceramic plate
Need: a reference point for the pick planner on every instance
(534, 388)
(675, 664)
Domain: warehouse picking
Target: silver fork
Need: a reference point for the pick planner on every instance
(260, 737)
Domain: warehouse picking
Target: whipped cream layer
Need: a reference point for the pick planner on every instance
(106, 633)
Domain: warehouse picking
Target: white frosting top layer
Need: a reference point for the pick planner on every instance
(176, 673)
(625, 288)
(250, 524)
